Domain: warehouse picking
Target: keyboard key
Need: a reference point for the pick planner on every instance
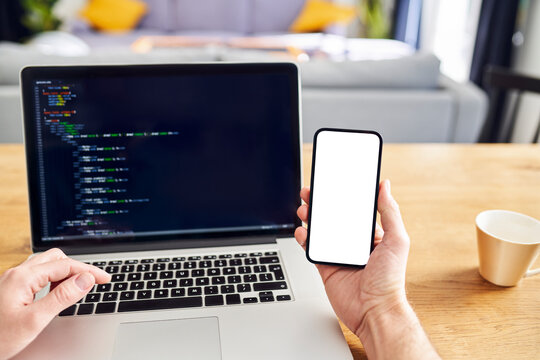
(227, 289)
(269, 260)
(115, 262)
(103, 287)
(85, 309)
(169, 283)
(250, 300)
(118, 277)
(232, 299)
(178, 292)
(259, 269)
(120, 286)
(250, 278)
(93, 297)
(112, 269)
(250, 261)
(127, 268)
(190, 265)
(210, 257)
(202, 281)
(255, 254)
(278, 275)
(106, 307)
(99, 263)
(205, 264)
(266, 296)
(166, 275)
(213, 272)
(147, 261)
(134, 276)
(194, 258)
(159, 267)
(197, 272)
(220, 263)
(283, 297)
(137, 285)
(243, 288)
(174, 266)
(225, 256)
(180, 258)
(213, 300)
(150, 276)
(274, 268)
(278, 285)
(265, 277)
(110, 296)
(131, 262)
(194, 291)
(235, 262)
(244, 270)
(163, 260)
(234, 279)
(160, 304)
(143, 267)
(69, 311)
(240, 255)
(211, 290)
(181, 274)
(154, 284)
(218, 280)
(270, 253)
(229, 271)
(144, 294)
(127, 295)
(186, 282)
(161, 293)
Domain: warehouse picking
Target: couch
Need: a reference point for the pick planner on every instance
(405, 99)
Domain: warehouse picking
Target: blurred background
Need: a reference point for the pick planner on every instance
(415, 70)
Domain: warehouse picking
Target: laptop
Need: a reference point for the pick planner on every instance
(182, 181)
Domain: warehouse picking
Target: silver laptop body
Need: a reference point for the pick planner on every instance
(182, 181)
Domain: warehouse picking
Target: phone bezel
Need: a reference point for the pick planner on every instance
(313, 160)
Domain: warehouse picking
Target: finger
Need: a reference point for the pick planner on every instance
(300, 235)
(304, 194)
(379, 233)
(390, 216)
(302, 213)
(61, 269)
(64, 295)
(49, 255)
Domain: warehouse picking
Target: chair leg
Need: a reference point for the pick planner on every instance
(536, 133)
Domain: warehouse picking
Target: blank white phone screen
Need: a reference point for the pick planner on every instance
(343, 197)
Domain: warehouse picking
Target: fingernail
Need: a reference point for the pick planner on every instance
(84, 281)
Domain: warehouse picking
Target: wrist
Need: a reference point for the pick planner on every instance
(392, 309)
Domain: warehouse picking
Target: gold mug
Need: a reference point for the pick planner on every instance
(508, 244)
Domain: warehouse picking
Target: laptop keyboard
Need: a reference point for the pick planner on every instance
(186, 282)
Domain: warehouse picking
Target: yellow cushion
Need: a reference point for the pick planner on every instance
(318, 14)
(114, 15)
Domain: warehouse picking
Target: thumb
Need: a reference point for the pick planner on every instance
(67, 293)
(391, 221)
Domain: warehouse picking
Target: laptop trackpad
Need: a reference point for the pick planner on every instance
(168, 339)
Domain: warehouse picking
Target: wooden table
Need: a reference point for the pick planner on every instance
(440, 189)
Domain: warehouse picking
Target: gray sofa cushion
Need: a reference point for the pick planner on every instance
(274, 16)
(419, 71)
(160, 15)
(212, 15)
(14, 57)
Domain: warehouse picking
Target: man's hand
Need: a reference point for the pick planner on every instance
(372, 300)
(21, 318)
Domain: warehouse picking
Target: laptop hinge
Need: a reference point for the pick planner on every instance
(167, 245)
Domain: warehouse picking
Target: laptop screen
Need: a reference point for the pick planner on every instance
(161, 152)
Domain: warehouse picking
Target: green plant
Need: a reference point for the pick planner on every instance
(39, 15)
(375, 18)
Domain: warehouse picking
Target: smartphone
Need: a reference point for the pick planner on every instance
(343, 202)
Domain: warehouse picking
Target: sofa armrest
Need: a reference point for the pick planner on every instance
(471, 109)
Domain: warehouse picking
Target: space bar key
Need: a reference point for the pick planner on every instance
(160, 304)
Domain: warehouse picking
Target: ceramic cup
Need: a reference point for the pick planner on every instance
(508, 244)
